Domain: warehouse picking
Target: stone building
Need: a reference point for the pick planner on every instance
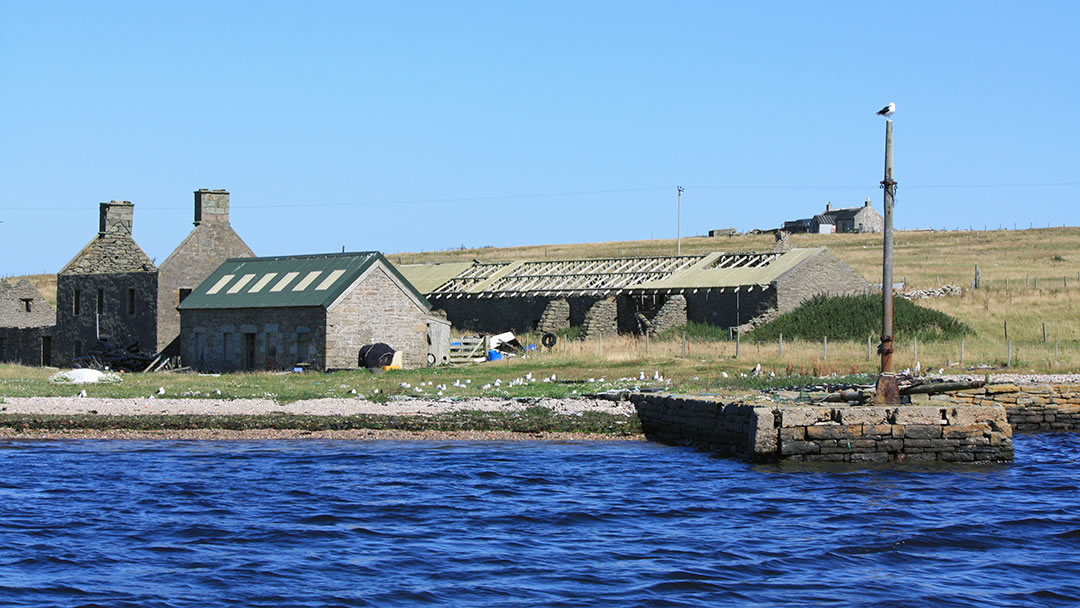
(26, 324)
(318, 310)
(631, 295)
(108, 290)
(848, 219)
(209, 244)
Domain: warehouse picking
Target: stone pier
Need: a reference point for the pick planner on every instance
(855, 434)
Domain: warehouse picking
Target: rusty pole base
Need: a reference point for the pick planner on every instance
(888, 390)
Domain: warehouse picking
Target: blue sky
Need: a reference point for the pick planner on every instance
(409, 126)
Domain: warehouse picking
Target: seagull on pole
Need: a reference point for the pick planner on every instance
(887, 111)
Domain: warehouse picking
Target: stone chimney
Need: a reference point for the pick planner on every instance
(211, 206)
(828, 207)
(116, 218)
(867, 203)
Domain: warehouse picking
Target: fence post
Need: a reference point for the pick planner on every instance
(684, 344)
(781, 356)
(738, 340)
(1008, 356)
(868, 347)
(1044, 332)
(646, 342)
(915, 346)
(978, 277)
(1006, 329)
(825, 349)
(961, 351)
(1055, 353)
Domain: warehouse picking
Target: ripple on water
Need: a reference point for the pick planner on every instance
(311, 523)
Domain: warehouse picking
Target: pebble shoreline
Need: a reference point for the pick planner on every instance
(313, 407)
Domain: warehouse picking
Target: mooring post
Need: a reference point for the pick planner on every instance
(888, 391)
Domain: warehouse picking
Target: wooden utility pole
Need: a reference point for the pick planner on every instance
(678, 221)
(888, 390)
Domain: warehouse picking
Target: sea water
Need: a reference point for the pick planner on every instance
(399, 523)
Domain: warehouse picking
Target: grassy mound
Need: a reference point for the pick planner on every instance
(856, 317)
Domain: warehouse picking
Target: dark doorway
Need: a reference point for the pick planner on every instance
(46, 351)
(249, 352)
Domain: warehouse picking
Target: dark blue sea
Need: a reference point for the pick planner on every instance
(327, 523)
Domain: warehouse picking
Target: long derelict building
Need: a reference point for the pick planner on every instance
(630, 295)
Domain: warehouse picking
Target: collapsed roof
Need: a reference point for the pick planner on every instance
(603, 276)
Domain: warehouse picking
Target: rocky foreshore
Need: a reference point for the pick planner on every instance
(343, 419)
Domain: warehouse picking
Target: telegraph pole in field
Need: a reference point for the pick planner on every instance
(678, 222)
(887, 389)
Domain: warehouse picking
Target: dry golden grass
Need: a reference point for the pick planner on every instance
(926, 259)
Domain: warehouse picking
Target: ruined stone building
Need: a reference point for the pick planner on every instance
(318, 310)
(209, 244)
(108, 290)
(112, 290)
(26, 325)
(630, 295)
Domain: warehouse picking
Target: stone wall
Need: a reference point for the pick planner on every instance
(26, 345)
(210, 243)
(556, 316)
(1030, 408)
(78, 326)
(218, 340)
(496, 315)
(727, 308)
(602, 318)
(376, 309)
(822, 273)
(954, 433)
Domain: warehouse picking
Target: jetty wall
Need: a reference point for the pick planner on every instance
(860, 434)
(1042, 407)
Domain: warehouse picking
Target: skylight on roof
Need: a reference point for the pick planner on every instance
(222, 282)
(311, 276)
(329, 280)
(285, 280)
(263, 280)
(244, 280)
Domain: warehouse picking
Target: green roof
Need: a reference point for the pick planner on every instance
(287, 281)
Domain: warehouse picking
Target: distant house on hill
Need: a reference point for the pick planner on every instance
(848, 219)
(319, 310)
(26, 325)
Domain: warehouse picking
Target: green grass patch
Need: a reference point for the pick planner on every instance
(700, 332)
(853, 318)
